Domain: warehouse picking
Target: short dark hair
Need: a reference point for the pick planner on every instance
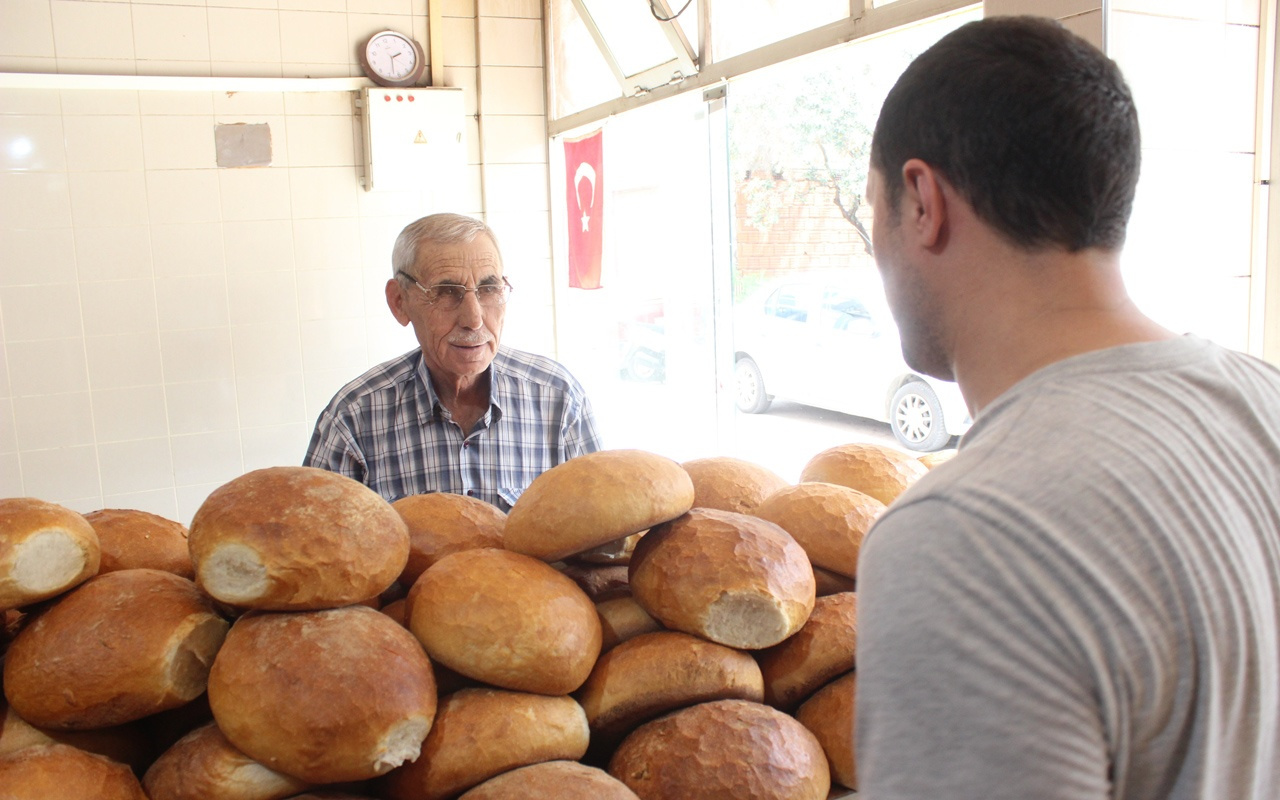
(1034, 126)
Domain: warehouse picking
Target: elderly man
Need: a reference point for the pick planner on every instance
(1084, 603)
(462, 413)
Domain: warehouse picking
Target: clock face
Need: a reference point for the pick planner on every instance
(393, 58)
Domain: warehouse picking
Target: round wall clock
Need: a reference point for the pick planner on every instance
(392, 59)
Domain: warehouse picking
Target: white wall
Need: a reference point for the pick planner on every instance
(168, 325)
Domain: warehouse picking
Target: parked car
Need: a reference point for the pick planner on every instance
(828, 340)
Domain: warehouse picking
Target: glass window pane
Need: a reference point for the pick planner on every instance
(755, 23)
(633, 35)
(580, 77)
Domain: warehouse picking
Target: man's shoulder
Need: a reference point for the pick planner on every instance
(389, 376)
(526, 367)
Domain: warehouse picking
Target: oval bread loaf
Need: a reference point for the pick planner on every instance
(828, 520)
(129, 743)
(296, 539)
(622, 618)
(133, 539)
(596, 498)
(552, 780)
(822, 650)
(723, 750)
(62, 772)
(874, 469)
(203, 765)
(732, 578)
(657, 672)
(506, 619)
(441, 523)
(122, 646)
(830, 716)
(45, 549)
(483, 732)
(323, 696)
(731, 484)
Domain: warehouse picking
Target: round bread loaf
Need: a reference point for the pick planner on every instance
(874, 469)
(732, 578)
(323, 696)
(120, 647)
(480, 733)
(622, 618)
(132, 539)
(441, 523)
(129, 743)
(657, 672)
(723, 750)
(829, 582)
(731, 484)
(507, 620)
(296, 538)
(552, 780)
(203, 765)
(829, 715)
(62, 772)
(820, 651)
(828, 520)
(596, 498)
(45, 549)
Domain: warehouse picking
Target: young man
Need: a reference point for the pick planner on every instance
(1085, 601)
(462, 413)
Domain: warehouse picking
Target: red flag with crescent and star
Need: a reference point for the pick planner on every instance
(584, 174)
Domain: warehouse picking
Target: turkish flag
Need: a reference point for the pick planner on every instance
(584, 197)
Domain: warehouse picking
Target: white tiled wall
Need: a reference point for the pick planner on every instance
(167, 324)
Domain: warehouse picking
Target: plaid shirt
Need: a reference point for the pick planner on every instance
(388, 430)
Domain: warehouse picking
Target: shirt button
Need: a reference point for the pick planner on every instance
(471, 492)
(465, 445)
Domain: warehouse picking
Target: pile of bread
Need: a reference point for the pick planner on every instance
(633, 628)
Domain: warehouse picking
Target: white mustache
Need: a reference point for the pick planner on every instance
(471, 339)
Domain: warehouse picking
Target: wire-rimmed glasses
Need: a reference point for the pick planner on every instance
(448, 296)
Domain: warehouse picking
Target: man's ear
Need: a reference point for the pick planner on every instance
(396, 301)
(925, 202)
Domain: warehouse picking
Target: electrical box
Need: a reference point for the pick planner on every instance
(414, 139)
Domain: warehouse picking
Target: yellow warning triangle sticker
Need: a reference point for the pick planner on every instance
(419, 139)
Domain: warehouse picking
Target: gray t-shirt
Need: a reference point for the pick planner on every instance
(1085, 601)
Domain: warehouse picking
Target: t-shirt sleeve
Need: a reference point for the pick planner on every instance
(971, 682)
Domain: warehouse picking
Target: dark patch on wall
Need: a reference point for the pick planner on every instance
(243, 144)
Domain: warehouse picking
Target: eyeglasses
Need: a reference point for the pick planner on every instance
(448, 296)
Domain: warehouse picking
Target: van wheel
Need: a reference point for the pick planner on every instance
(749, 394)
(916, 418)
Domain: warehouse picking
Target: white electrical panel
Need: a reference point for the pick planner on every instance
(414, 139)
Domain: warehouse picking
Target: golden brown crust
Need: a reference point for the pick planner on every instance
(324, 696)
(129, 743)
(552, 780)
(829, 715)
(132, 539)
(732, 578)
(932, 460)
(296, 538)
(507, 620)
(658, 672)
(723, 750)
(122, 646)
(203, 764)
(45, 550)
(731, 484)
(481, 732)
(828, 520)
(822, 650)
(874, 469)
(596, 498)
(62, 772)
(622, 618)
(441, 523)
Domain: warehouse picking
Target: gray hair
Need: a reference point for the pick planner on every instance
(440, 229)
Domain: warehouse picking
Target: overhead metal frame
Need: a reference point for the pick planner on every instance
(682, 64)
